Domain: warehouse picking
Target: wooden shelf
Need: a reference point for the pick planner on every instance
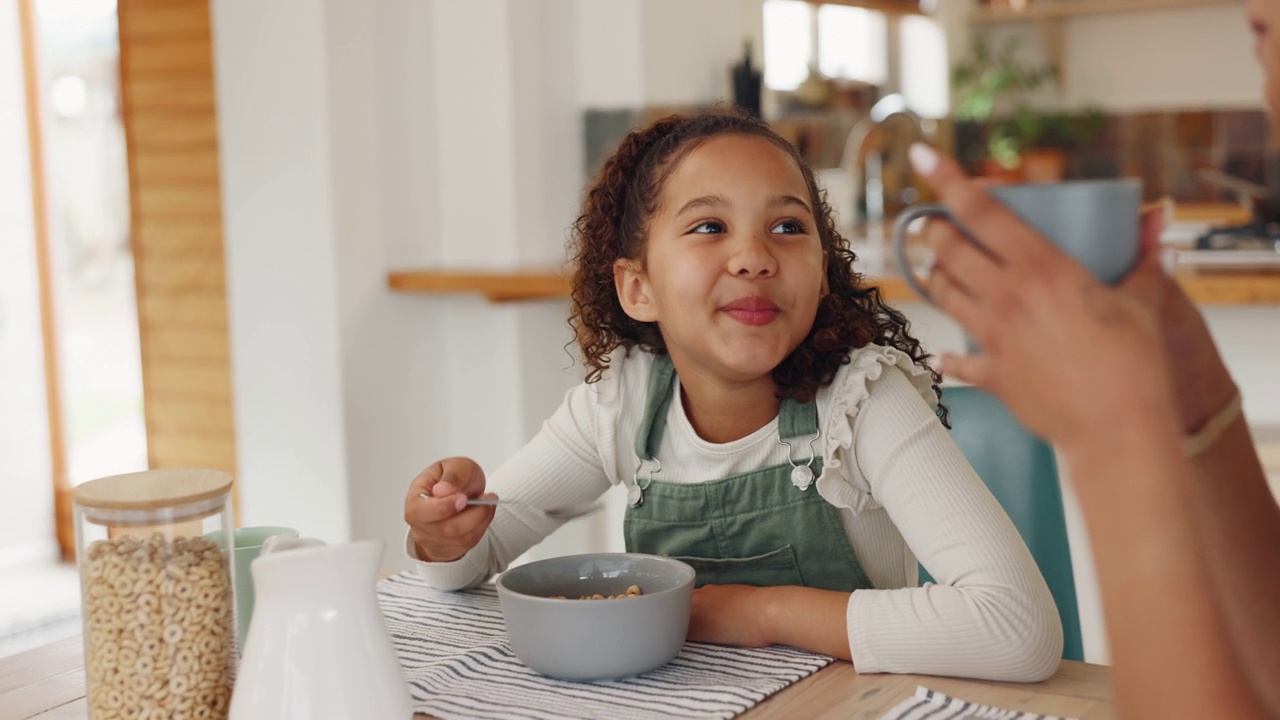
(1055, 9)
(495, 286)
(890, 7)
(1205, 287)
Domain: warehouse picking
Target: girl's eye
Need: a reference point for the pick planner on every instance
(787, 227)
(709, 227)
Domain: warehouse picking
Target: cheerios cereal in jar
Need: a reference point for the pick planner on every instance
(158, 598)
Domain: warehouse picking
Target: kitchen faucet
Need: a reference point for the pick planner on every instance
(867, 147)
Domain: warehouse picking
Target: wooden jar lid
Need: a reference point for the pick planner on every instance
(152, 489)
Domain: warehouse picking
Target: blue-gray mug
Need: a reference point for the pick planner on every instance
(1094, 221)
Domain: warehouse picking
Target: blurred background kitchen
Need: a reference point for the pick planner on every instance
(320, 244)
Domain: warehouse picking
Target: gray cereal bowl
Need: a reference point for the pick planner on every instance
(575, 639)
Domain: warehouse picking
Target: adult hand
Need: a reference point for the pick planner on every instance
(1201, 383)
(727, 615)
(1069, 356)
(442, 525)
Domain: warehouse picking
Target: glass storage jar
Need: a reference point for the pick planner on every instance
(158, 595)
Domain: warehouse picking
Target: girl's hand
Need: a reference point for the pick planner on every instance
(1072, 358)
(442, 525)
(727, 615)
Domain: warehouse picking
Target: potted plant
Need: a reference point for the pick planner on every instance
(994, 89)
(1044, 139)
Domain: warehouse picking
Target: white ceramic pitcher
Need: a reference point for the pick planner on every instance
(318, 648)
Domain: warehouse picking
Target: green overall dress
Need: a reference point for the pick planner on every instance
(759, 528)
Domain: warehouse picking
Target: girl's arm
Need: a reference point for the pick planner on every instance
(746, 616)
(559, 467)
(991, 616)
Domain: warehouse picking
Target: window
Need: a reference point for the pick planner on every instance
(925, 76)
(788, 43)
(852, 43)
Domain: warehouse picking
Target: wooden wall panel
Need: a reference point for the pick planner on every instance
(166, 72)
(164, 22)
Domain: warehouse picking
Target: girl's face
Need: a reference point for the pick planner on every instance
(734, 267)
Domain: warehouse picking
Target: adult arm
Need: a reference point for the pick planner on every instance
(1083, 365)
(1238, 518)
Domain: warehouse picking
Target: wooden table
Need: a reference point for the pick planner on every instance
(48, 683)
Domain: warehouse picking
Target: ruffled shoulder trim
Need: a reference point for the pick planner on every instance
(842, 483)
(622, 385)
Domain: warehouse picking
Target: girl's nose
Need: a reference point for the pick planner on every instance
(752, 258)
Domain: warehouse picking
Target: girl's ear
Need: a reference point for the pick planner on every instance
(633, 290)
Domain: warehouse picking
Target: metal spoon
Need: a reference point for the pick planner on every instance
(562, 513)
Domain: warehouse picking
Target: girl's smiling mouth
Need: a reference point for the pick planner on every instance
(754, 310)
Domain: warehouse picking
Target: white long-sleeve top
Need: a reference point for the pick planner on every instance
(903, 489)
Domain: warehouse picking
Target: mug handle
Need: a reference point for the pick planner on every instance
(280, 543)
(900, 245)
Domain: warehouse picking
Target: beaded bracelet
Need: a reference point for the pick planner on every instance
(1197, 442)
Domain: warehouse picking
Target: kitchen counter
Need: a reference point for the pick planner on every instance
(1205, 287)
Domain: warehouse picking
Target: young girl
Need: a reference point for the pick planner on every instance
(771, 419)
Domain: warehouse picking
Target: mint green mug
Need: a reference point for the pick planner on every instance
(249, 541)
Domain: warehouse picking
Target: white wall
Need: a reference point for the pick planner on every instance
(475, 138)
(26, 514)
(1185, 58)
(548, 128)
(610, 65)
(427, 134)
(409, 130)
(689, 46)
(1182, 58)
(279, 213)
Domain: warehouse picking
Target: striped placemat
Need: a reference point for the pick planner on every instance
(454, 651)
(929, 704)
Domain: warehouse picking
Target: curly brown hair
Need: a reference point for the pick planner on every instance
(614, 225)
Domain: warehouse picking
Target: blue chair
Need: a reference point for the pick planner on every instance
(1020, 471)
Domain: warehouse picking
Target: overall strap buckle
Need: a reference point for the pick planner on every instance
(635, 491)
(802, 475)
(796, 420)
